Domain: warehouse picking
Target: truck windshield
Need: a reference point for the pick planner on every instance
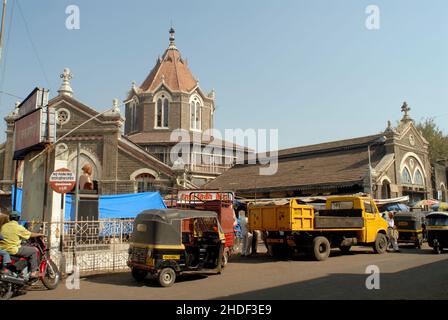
(337, 205)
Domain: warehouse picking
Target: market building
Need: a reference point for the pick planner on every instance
(399, 167)
(132, 154)
(168, 101)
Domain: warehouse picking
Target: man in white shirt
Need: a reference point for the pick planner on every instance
(247, 235)
(391, 232)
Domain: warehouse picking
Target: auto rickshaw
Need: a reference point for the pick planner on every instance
(411, 227)
(169, 242)
(437, 229)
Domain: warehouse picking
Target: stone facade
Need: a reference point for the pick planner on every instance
(398, 155)
(119, 165)
(170, 99)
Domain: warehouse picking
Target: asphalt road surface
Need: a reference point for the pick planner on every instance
(411, 274)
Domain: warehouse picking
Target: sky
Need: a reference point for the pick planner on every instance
(309, 68)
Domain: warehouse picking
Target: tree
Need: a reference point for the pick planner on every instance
(438, 141)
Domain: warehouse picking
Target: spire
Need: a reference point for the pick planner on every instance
(172, 45)
(405, 109)
(66, 89)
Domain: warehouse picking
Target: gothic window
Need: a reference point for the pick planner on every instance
(406, 176)
(145, 182)
(133, 116)
(162, 112)
(195, 114)
(418, 178)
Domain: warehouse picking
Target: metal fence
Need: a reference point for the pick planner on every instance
(93, 246)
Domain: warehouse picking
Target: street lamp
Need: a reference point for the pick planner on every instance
(379, 140)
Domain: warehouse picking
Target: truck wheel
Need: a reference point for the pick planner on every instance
(167, 276)
(139, 274)
(321, 248)
(345, 249)
(380, 245)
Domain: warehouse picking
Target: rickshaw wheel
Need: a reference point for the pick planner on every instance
(139, 274)
(167, 277)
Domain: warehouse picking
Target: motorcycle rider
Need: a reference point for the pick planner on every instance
(13, 234)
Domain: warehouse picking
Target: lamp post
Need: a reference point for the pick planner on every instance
(379, 140)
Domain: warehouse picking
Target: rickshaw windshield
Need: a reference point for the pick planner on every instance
(438, 221)
(157, 232)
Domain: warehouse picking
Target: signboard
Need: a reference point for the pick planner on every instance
(62, 180)
(204, 195)
(31, 131)
(38, 98)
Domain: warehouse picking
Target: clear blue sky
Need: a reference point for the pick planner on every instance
(309, 68)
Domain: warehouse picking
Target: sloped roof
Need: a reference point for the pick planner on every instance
(339, 163)
(172, 71)
(327, 146)
(164, 137)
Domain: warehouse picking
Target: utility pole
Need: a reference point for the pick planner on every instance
(78, 154)
(3, 29)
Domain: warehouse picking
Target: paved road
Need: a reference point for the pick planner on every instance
(411, 274)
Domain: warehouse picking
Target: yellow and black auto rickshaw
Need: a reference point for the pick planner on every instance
(437, 229)
(169, 242)
(411, 227)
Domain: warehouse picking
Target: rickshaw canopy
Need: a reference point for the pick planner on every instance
(164, 226)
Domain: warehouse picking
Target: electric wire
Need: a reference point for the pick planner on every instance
(33, 45)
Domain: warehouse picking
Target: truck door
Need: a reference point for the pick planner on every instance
(370, 222)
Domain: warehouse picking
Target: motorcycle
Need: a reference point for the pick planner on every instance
(19, 276)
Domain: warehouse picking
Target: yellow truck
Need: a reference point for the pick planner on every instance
(345, 221)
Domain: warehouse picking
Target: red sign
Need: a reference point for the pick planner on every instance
(203, 195)
(36, 99)
(62, 180)
(28, 131)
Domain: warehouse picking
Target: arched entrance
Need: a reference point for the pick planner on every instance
(385, 190)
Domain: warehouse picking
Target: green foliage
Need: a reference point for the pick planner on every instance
(438, 141)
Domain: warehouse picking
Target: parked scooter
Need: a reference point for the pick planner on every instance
(19, 276)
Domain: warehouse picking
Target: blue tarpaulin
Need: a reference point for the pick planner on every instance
(396, 207)
(114, 206)
(129, 205)
(19, 200)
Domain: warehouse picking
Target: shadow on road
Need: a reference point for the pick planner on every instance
(424, 282)
(126, 279)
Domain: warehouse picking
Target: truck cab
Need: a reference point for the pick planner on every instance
(373, 222)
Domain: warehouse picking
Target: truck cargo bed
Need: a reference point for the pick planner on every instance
(327, 222)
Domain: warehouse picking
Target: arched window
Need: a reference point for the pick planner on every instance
(418, 178)
(406, 176)
(145, 182)
(162, 112)
(195, 114)
(133, 116)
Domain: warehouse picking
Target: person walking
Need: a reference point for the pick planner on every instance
(392, 232)
(247, 236)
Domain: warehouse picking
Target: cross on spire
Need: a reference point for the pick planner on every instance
(405, 109)
(172, 44)
(66, 88)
